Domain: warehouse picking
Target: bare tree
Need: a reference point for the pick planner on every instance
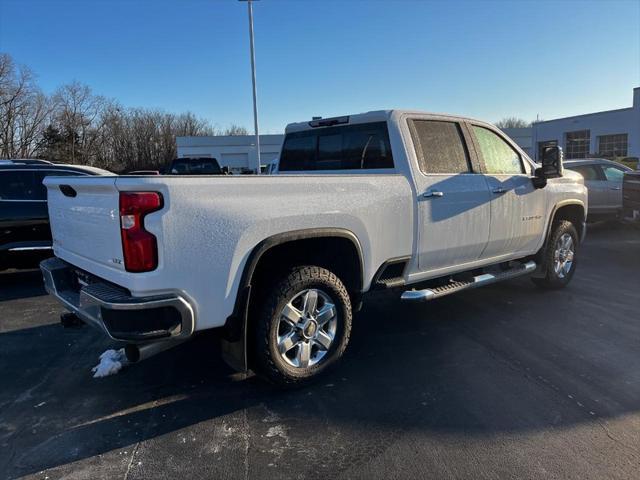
(76, 126)
(78, 114)
(512, 122)
(24, 110)
(234, 129)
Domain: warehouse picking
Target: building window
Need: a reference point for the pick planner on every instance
(546, 143)
(612, 146)
(577, 144)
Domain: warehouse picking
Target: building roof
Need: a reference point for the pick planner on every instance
(227, 140)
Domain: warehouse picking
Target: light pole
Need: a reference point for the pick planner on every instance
(253, 80)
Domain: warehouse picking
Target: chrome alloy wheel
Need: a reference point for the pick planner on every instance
(307, 328)
(563, 256)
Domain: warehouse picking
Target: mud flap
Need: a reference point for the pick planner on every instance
(234, 341)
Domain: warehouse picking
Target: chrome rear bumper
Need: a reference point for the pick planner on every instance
(113, 310)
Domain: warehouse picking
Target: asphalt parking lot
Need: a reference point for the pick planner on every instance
(502, 382)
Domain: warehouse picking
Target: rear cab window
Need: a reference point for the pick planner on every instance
(363, 146)
(440, 147)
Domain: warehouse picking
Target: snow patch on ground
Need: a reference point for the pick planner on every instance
(111, 362)
(277, 431)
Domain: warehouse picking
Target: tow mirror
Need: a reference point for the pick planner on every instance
(552, 162)
(551, 166)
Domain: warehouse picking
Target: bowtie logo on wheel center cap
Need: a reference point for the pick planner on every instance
(309, 329)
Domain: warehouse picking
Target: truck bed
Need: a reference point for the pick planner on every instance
(209, 225)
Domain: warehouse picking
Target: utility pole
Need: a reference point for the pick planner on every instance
(253, 80)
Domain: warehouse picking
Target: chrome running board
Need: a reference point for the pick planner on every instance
(428, 294)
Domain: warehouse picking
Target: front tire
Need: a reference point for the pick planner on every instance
(303, 327)
(560, 256)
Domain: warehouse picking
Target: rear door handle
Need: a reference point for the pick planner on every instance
(615, 188)
(498, 190)
(433, 193)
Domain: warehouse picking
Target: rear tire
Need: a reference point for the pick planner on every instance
(559, 257)
(303, 327)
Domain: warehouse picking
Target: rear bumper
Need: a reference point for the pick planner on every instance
(113, 310)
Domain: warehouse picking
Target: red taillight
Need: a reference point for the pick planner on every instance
(139, 247)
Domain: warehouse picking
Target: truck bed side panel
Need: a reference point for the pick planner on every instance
(209, 226)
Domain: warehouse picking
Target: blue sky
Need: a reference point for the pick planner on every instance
(481, 58)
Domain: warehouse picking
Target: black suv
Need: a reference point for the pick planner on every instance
(25, 237)
(195, 166)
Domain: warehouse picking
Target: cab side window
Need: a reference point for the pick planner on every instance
(499, 157)
(613, 174)
(18, 185)
(588, 172)
(440, 147)
(40, 192)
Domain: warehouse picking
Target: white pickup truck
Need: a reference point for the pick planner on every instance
(424, 204)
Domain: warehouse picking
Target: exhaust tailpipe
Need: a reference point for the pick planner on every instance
(137, 353)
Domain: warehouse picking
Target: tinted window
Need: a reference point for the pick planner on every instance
(329, 152)
(588, 172)
(439, 146)
(196, 166)
(498, 156)
(18, 185)
(613, 174)
(40, 192)
(350, 147)
(298, 152)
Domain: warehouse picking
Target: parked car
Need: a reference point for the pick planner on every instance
(603, 179)
(631, 196)
(25, 161)
(195, 166)
(25, 237)
(426, 205)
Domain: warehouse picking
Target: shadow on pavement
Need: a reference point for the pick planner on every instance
(506, 358)
(16, 284)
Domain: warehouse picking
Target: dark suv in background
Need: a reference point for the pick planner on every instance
(25, 237)
(195, 166)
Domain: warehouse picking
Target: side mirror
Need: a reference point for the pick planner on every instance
(551, 166)
(552, 162)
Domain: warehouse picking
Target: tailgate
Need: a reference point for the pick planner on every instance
(85, 220)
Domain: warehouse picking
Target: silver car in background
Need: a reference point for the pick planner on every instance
(603, 179)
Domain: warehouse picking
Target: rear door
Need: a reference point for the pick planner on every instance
(517, 207)
(23, 210)
(597, 189)
(452, 195)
